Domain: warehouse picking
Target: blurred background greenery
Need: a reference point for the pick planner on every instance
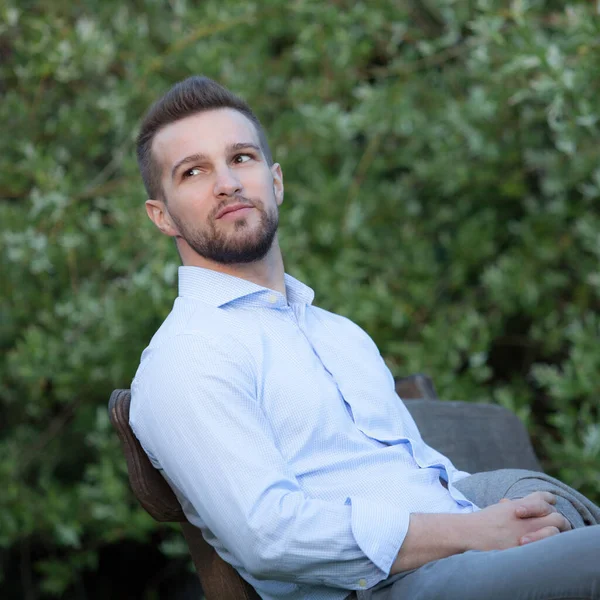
(442, 173)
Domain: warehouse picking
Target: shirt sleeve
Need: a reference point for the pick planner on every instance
(195, 411)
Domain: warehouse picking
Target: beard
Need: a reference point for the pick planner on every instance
(242, 245)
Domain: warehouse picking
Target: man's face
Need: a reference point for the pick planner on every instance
(222, 196)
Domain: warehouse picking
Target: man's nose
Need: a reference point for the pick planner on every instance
(227, 183)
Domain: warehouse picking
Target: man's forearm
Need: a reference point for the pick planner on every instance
(431, 537)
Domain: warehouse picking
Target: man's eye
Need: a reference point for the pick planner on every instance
(191, 172)
(242, 158)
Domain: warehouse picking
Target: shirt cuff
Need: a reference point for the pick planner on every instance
(379, 530)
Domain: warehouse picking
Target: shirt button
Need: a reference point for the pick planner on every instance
(362, 582)
(272, 298)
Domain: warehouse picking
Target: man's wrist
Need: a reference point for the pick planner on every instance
(434, 536)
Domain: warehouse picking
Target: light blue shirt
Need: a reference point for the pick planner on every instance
(278, 427)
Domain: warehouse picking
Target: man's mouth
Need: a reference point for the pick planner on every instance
(234, 210)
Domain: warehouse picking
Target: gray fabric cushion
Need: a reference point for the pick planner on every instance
(476, 437)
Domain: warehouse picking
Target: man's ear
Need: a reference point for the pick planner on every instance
(159, 215)
(277, 182)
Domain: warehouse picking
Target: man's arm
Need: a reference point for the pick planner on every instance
(195, 411)
(504, 525)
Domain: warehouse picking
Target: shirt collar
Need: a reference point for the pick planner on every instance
(218, 289)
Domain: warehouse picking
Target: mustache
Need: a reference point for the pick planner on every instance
(235, 200)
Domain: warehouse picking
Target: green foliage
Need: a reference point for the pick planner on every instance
(442, 190)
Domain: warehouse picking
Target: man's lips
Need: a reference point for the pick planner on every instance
(232, 208)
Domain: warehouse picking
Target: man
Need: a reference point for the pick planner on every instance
(276, 423)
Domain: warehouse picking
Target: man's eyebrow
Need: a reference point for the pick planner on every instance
(243, 146)
(200, 157)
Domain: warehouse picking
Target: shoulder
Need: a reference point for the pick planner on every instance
(196, 349)
(195, 366)
(193, 330)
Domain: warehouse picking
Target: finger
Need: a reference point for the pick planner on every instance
(559, 521)
(554, 519)
(548, 497)
(503, 500)
(545, 496)
(540, 534)
(534, 508)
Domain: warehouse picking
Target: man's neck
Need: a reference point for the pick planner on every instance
(267, 272)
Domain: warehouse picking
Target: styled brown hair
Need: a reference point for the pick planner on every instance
(188, 97)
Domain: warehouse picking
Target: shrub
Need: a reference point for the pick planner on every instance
(442, 186)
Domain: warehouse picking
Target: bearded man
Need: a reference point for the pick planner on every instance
(276, 423)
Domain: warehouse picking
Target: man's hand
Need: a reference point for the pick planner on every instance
(517, 522)
(536, 505)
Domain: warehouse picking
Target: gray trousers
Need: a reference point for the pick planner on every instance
(564, 566)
